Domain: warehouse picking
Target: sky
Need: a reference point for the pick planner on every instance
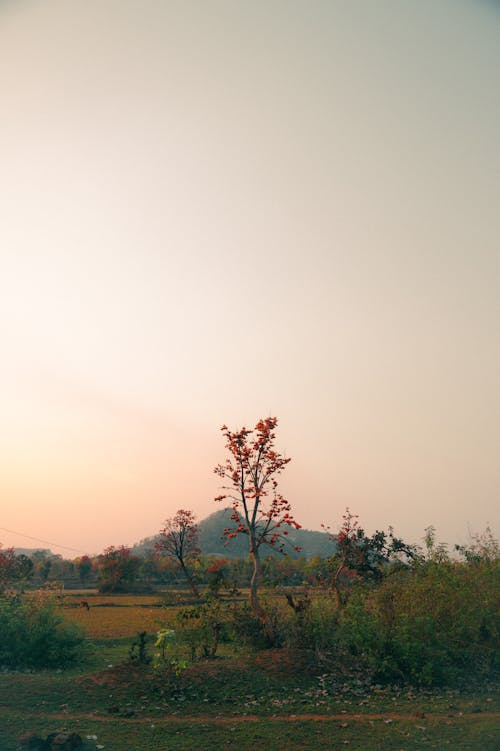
(214, 211)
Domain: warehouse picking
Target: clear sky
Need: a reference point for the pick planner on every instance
(214, 211)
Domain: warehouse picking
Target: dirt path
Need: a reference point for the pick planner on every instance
(228, 720)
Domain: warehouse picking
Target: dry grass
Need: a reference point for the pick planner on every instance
(113, 616)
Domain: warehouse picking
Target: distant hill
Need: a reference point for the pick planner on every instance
(212, 541)
(37, 552)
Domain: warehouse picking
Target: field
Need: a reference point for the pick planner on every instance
(276, 698)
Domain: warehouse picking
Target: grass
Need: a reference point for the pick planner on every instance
(103, 621)
(277, 698)
(274, 734)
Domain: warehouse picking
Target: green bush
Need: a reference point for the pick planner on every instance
(312, 627)
(437, 624)
(247, 629)
(34, 635)
(203, 627)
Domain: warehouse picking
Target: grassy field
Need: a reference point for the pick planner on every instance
(272, 697)
(115, 616)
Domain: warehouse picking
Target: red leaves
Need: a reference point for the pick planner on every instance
(259, 510)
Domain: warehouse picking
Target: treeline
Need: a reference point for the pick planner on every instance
(120, 569)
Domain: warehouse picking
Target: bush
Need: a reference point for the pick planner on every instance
(34, 635)
(312, 627)
(203, 627)
(251, 631)
(437, 624)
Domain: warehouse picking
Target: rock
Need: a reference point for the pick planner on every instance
(31, 742)
(64, 741)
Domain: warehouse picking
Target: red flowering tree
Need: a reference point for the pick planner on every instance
(258, 508)
(178, 541)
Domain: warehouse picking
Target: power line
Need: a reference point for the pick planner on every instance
(47, 542)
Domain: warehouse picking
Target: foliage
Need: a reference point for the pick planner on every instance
(84, 567)
(15, 570)
(138, 651)
(434, 551)
(360, 556)
(482, 548)
(259, 510)
(201, 628)
(178, 540)
(118, 569)
(35, 635)
(167, 658)
(435, 624)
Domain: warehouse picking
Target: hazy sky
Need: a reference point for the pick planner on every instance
(214, 211)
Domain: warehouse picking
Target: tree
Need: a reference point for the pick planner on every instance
(117, 569)
(258, 509)
(84, 568)
(361, 556)
(178, 541)
(14, 569)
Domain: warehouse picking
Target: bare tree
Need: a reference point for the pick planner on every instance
(178, 540)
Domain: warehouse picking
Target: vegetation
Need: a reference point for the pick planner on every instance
(123, 695)
(35, 635)
(178, 541)
(259, 510)
(118, 569)
(376, 643)
(15, 570)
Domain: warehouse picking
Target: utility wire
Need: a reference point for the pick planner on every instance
(38, 539)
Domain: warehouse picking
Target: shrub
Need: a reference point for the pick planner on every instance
(312, 626)
(250, 630)
(35, 635)
(435, 625)
(201, 628)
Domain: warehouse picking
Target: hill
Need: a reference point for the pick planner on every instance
(212, 541)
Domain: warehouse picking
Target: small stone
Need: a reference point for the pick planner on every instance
(64, 741)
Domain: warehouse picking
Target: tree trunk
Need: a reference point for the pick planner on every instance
(254, 583)
(190, 580)
(255, 604)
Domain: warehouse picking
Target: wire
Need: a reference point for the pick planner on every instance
(47, 542)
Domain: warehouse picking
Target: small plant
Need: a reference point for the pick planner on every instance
(167, 658)
(138, 651)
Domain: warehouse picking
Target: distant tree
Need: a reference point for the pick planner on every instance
(149, 568)
(84, 568)
(7, 567)
(44, 568)
(117, 569)
(258, 509)
(15, 569)
(178, 540)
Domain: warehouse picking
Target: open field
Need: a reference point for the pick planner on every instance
(277, 698)
(115, 616)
